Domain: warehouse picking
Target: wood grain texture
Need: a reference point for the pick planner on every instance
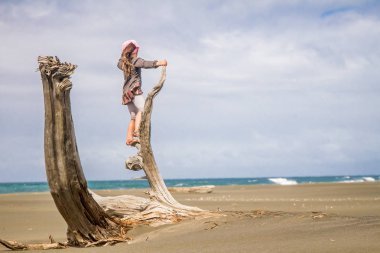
(87, 221)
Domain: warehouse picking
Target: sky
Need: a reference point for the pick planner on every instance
(253, 89)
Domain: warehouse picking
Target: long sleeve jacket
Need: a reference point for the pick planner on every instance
(133, 82)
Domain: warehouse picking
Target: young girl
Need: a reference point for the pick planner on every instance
(131, 66)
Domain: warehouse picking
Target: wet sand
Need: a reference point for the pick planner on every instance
(262, 218)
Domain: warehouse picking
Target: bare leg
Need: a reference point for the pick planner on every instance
(131, 129)
(137, 124)
(139, 102)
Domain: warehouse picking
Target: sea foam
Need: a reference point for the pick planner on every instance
(359, 180)
(283, 181)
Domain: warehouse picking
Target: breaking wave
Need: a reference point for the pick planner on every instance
(283, 181)
(358, 180)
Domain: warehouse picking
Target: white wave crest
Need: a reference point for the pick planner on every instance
(283, 181)
(360, 180)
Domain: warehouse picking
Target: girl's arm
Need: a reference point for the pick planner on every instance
(141, 63)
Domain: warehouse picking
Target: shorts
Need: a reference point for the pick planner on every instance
(136, 105)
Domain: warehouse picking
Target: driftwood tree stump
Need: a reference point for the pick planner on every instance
(87, 221)
(94, 220)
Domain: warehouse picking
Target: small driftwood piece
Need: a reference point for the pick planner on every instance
(134, 162)
(194, 189)
(14, 245)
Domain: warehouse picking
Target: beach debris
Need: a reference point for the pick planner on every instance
(193, 189)
(258, 214)
(318, 215)
(51, 239)
(14, 245)
(140, 178)
(212, 223)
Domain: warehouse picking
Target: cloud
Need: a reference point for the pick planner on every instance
(253, 89)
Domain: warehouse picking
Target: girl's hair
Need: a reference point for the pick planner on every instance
(126, 59)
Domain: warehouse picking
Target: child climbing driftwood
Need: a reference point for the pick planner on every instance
(131, 66)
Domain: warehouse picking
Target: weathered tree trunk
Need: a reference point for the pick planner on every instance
(87, 221)
(159, 191)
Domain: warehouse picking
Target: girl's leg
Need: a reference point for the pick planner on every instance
(139, 102)
(132, 123)
(130, 131)
(137, 124)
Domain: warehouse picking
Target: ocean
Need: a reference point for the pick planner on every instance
(130, 184)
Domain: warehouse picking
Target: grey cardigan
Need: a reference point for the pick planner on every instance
(132, 83)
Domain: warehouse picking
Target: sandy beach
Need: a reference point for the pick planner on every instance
(261, 218)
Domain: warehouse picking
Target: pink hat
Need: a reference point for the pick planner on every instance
(126, 43)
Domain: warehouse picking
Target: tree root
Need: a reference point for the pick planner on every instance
(133, 210)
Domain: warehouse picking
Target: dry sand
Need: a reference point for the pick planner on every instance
(264, 218)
